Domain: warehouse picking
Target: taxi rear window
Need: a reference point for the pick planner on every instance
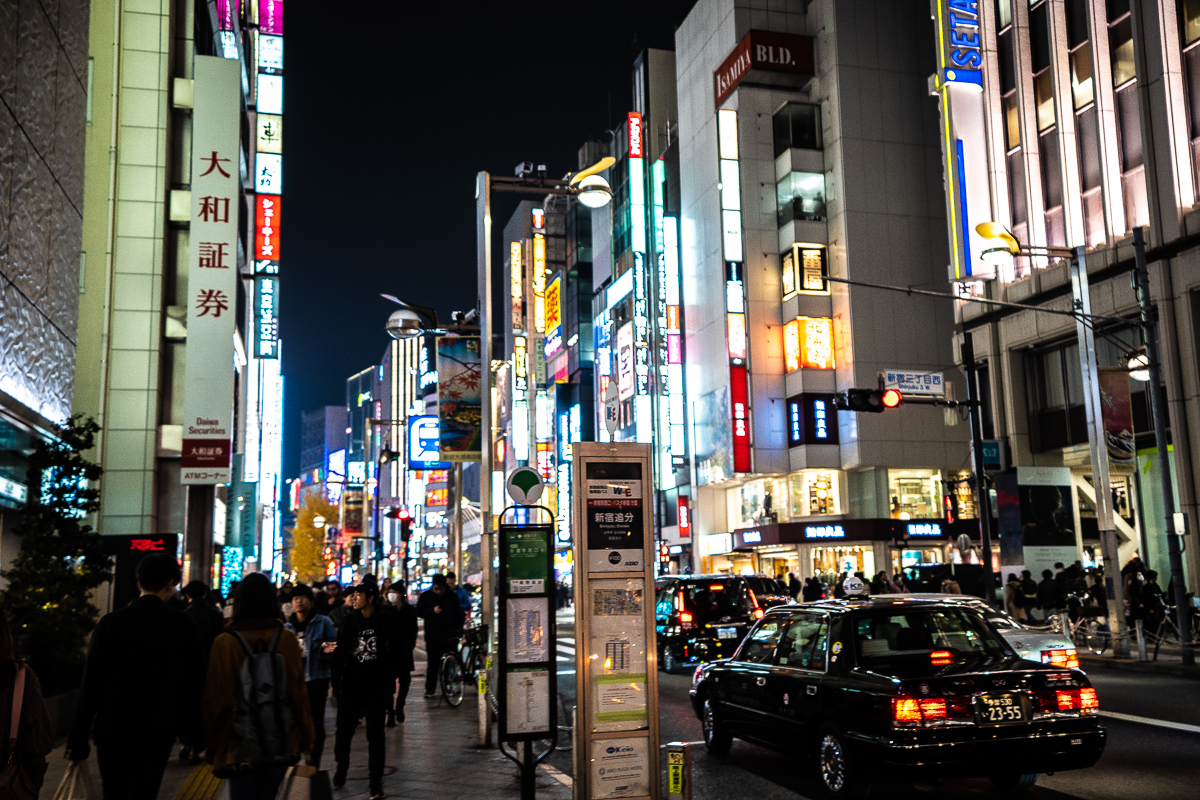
(884, 637)
(710, 600)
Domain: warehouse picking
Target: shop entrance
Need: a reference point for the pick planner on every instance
(831, 562)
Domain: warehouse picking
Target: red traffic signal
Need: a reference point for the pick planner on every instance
(892, 398)
(397, 513)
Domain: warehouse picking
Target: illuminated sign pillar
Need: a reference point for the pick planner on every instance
(735, 299)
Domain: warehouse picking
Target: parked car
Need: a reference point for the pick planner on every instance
(702, 617)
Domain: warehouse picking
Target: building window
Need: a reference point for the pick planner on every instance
(814, 493)
(800, 195)
(762, 502)
(1129, 126)
(915, 493)
(1189, 23)
(797, 125)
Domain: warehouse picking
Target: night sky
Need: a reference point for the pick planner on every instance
(388, 116)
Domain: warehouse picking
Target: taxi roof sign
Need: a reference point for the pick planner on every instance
(854, 586)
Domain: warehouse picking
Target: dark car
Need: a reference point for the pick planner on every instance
(704, 617)
(911, 689)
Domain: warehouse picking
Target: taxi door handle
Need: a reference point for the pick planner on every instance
(761, 681)
(810, 689)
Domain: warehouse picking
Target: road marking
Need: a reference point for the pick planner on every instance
(566, 672)
(1158, 723)
(689, 744)
(558, 775)
(563, 639)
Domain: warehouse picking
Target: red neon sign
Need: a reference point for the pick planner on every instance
(635, 134)
(266, 227)
(146, 545)
(739, 401)
(685, 519)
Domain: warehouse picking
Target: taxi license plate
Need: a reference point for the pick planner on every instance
(1000, 709)
(726, 633)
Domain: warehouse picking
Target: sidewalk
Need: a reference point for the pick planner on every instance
(432, 754)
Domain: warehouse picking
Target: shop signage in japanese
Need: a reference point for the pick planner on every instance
(266, 316)
(267, 208)
(614, 504)
(212, 273)
(914, 382)
(270, 16)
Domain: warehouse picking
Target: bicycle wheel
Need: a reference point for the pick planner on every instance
(1097, 637)
(467, 656)
(452, 680)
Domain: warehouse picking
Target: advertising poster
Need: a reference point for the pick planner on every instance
(625, 384)
(617, 654)
(620, 768)
(459, 409)
(212, 273)
(1047, 517)
(1116, 409)
(352, 512)
(614, 517)
(714, 437)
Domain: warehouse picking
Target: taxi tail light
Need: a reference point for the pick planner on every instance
(916, 711)
(933, 708)
(1064, 658)
(906, 709)
(685, 620)
(1064, 700)
(941, 658)
(758, 613)
(716, 587)
(1088, 700)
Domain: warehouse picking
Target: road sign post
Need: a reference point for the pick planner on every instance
(526, 682)
(616, 663)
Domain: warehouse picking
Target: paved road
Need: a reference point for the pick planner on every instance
(1140, 760)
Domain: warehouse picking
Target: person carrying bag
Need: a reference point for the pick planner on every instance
(23, 751)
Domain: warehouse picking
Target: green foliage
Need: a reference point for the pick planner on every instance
(62, 558)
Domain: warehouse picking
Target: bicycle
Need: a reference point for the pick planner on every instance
(1083, 624)
(451, 675)
(471, 652)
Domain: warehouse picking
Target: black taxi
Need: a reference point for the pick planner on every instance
(897, 688)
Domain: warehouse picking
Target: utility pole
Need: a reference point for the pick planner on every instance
(1098, 444)
(984, 496)
(1148, 319)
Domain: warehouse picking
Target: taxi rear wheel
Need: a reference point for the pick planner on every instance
(716, 738)
(835, 775)
(1013, 781)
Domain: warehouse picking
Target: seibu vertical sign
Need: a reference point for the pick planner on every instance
(212, 273)
(764, 50)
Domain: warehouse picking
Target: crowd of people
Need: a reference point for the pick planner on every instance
(818, 586)
(242, 681)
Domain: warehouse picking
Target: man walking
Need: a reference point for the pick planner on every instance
(141, 687)
(364, 674)
(443, 616)
(314, 631)
(406, 631)
(464, 597)
(209, 622)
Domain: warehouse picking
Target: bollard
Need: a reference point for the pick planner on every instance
(679, 771)
(1141, 637)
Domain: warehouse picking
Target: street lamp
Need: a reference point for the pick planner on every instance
(1007, 247)
(318, 522)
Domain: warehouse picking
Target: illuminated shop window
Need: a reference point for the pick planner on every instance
(801, 195)
(915, 493)
(814, 493)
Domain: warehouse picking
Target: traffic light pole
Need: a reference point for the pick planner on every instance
(984, 500)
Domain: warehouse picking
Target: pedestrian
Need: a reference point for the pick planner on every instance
(209, 621)
(464, 597)
(35, 732)
(141, 687)
(256, 727)
(950, 585)
(443, 616)
(317, 638)
(333, 594)
(1029, 592)
(1014, 599)
(364, 672)
(339, 609)
(406, 639)
(320, 599)
(880, 583)
(793, 584)
(1047, 595)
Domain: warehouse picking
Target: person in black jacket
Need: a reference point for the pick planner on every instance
(141, 687)
(1047, 595)
(406, 623)
(209, 621)
(443, 616)
(364, 675)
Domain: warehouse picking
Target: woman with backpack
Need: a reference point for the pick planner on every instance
(23, 761)
(256, 712)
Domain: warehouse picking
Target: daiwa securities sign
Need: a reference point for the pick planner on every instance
(763, 50)
(212, 273)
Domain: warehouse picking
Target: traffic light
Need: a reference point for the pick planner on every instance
(405, 529)
(875, 401)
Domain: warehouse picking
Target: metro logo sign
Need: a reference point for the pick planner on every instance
(635, 135)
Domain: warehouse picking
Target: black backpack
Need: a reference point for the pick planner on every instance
(264, 716)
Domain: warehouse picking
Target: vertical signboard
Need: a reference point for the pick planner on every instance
(212, 273)
(266, 316)
(616, 665)
(527, 652)
(459, 397)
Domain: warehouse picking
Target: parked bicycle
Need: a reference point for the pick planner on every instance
(473, 651)
(451, 675)
(1087, 625)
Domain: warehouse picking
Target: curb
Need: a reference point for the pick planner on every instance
(1144, 667)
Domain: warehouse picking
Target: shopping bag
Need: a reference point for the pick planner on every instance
(304, 782)
(77, 784)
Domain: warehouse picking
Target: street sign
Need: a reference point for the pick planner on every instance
(616, 666)
(914, 381)
(612, 410)
(991, 455)
(524, 486)
(423, 443)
